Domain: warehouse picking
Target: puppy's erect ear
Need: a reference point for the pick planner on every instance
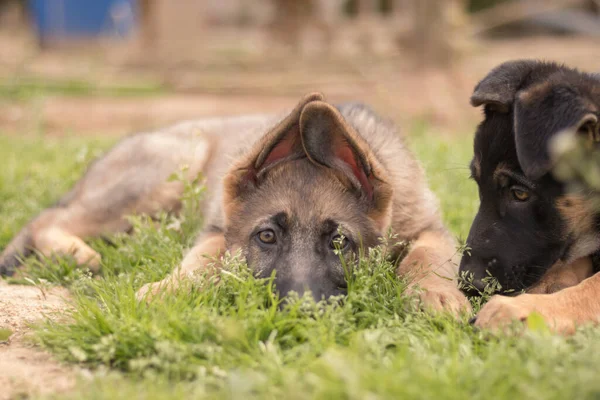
(281, 143)
(543, 111)
(284, 140)
(330, 141)
(499, 88)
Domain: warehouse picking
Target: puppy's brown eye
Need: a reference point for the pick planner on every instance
(339, 242)
(267, 236)
(520, 195)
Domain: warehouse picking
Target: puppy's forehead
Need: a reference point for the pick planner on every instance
(306, 193)
(585, 86)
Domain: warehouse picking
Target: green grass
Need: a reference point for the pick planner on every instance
(31, 88)
(5, 334)
(231, 340)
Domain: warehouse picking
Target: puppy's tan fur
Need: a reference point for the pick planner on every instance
(563, 310)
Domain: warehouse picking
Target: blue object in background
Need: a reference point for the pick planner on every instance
(55, 19)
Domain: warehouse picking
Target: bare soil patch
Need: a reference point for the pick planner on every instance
(25, 369)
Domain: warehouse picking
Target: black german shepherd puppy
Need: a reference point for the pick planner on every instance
(528, 223)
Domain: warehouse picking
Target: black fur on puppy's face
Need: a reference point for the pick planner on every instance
(526, 221)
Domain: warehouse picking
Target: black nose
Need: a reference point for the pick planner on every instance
(473, 288)
(475, 272)
(478, 285)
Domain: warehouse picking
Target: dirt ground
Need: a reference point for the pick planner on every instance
(26, 370)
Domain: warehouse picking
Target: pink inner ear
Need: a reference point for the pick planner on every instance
(345, 153)
(281, 150)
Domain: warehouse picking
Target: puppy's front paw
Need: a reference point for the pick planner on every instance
(501, 312)
(153, 290)
(441, 297)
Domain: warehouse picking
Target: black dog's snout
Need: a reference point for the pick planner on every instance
(475, 270)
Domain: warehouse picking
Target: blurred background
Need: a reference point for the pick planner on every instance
(70, 67)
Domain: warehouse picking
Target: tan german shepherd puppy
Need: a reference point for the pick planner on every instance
(281, 190)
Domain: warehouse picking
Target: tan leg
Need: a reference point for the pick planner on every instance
(58, 231)
(197, 260)
(431, 270)
(56, 242)
(563, 311)
(562, 276)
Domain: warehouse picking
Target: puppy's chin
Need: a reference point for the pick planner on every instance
(512, 285)
(470, 292)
